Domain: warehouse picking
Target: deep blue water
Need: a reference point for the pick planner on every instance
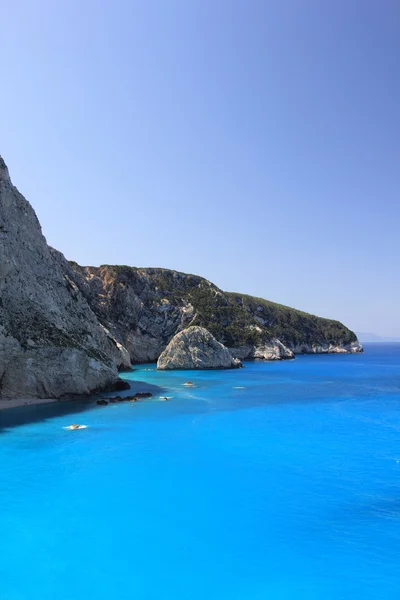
(287, 489)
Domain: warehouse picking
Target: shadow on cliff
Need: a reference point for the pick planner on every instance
(24, 415)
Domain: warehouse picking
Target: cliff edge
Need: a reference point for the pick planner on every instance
(51, 342)
(65, 330)
(144, 308)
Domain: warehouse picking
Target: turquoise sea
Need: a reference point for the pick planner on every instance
(276, 481)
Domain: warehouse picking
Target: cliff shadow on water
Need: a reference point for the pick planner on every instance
(35, 413)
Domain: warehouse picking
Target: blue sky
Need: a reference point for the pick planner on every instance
(253, 142)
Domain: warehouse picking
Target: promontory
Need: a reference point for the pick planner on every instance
(66, 330)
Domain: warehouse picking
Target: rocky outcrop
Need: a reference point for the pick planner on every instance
(132, 306)
(327, 348)
(298, 331)
(196, 348)
(66, 330)
(145, 308)
(273, 350)
(51, 342)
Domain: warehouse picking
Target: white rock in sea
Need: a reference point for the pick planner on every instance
(196, 348)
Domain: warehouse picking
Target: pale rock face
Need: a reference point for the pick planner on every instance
(51, 343)
(273, 350)
(196, 348)
(55, 373)
(65, 329)
(352, 348)
(131, 310)
(144, 308)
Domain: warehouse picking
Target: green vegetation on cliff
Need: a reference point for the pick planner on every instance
(237, 319)
(292, 326)
(234, 319)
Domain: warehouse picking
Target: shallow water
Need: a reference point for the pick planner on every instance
(286, 489)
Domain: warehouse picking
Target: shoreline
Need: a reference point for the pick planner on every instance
(20, 402)
(9, 403)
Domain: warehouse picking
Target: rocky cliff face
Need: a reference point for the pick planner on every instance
(196, 348)
(66, 329)
(130, 304)
(300, 332)
(327, 348)
(145, 308)
(51, 343)
(273, 350)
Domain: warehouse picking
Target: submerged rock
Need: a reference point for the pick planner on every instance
(196, 348)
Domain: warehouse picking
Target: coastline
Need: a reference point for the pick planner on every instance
(17, 402)
(21, 402)
(142, 386)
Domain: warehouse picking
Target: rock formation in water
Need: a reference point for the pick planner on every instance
(66, 330)
(145, 308)
(196, 348)
(51, 342)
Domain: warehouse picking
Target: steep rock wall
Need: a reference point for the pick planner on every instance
(51, 343)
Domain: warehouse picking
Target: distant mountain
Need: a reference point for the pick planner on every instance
(372, 337)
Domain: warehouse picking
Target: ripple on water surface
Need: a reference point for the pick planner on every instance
(280, 480)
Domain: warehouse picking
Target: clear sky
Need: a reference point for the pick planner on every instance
(256, 143)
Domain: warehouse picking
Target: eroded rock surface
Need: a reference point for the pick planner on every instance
(66, 330)
(144, 308)
(196, 348)
(51, 342)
